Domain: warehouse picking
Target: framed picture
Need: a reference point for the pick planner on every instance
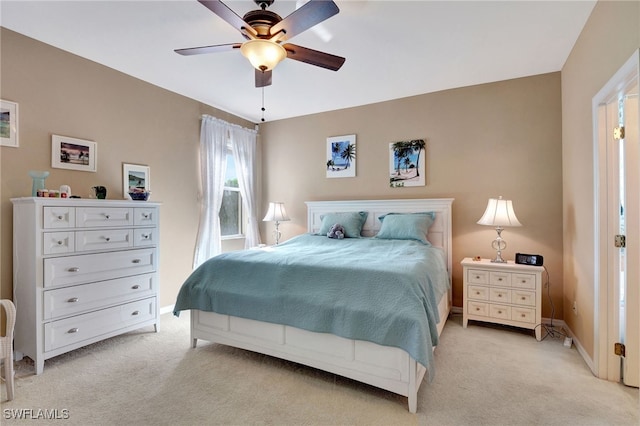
(135, 176)
(9, 124)
(73, 154)
(341, 156)
(406, 163)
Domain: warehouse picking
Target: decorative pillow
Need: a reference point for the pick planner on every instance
(406, 226)
(352, 223)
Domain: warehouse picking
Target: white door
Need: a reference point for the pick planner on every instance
(619, 224)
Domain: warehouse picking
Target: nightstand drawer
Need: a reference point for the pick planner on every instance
(527, 315)
(145, 237)
(478, 308)
(476, 276)
(478, 292)
(500, 311)
(524, 281)
(500, 295)
(523, 297)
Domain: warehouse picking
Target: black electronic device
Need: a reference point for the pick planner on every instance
(529, 259)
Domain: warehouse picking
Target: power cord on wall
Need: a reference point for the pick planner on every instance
(549, 329)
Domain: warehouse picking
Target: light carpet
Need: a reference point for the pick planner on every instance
(485, 375)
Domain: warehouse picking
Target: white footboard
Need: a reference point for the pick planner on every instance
(385, 367)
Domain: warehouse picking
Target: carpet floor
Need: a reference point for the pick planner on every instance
(485, 375)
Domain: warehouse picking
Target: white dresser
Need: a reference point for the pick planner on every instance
(83, 270)
(502, 293)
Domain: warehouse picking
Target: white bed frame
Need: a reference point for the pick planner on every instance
(385, 367)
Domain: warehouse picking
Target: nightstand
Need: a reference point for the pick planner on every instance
(502, 293)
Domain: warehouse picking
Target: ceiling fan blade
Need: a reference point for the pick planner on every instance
(313, 57)
(263, 78)
(310, 14)
(208, 49)
(223, 11)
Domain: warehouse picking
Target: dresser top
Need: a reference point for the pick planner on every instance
(487, 263)
(88, 202)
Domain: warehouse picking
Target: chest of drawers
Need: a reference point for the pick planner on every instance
(502, 293)
(84, 271)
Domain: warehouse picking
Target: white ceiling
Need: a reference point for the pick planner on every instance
(394, 49)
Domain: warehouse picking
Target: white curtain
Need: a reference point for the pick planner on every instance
(214, 134)
(243, 142)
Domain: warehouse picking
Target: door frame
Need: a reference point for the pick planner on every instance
(603, 317)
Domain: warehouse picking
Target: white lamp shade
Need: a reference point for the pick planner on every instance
(500, 213)
(276, 213)
(264, 55)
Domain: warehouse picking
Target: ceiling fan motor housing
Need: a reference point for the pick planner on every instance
(262, 21)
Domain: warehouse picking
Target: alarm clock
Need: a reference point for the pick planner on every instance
(529, 259)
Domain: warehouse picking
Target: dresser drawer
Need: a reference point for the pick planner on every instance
(104, 239)
(500, 278)
(84, 297)
(145, 216)
(89, 217)
(98, 267)
(143, 237)
(476, 276)
(478, 292)
(58, 334)
(524, 281)
(478, 308)
(527, 315)
(58, 242)
(523, 297)
(500, 311)
(58, 217)
(501, 295)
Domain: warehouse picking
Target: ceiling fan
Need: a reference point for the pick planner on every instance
(265, 31)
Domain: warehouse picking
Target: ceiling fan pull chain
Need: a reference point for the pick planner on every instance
(262, 103)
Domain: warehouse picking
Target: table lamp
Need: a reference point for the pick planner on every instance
(277, 214)
(499, 213)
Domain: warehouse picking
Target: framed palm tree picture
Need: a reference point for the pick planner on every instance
(407, 163)
(341, 156)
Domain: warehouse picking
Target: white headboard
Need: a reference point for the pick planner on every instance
(439, 234)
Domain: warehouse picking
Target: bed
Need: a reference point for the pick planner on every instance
(358, 339)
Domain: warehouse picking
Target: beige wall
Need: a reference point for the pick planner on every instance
(131, 121)
(483, 141)
(609, 38)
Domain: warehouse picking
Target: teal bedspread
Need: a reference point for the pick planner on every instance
(383, 291)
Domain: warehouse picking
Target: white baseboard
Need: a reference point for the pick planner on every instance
(166, 309)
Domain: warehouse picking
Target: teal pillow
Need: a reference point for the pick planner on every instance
(351, 221)
(406, 226)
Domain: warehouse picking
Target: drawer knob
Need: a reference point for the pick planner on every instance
(477, 309)
(145, 236)
(60, 217)
(500, 295)
(106, 216)
(477, 293)
(522, 315)
(499, 312)
(499, 279)
(523, 281)
(135, 287)
(59, 242)
(73, 300)
(107, 239)
(74, 269)
(145, 215)
(523, 298)
(135, 261)
(135, 313)
(477, 277)
(73, 330)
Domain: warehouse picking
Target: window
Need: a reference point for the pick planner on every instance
(231, 209)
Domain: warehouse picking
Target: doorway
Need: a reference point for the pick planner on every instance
(617, 206)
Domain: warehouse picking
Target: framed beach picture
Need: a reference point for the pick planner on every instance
(341, 156)
(9, 124)
(73, 154)
(407, 163)
(135, 178)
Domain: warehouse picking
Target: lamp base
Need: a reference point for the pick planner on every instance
(498, 245)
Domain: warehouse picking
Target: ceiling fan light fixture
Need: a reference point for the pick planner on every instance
(263, 54)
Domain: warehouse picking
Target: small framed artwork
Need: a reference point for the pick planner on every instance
(9, 124)
(135, 178)
(73, 154)
(407, 163)
(341, 156)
